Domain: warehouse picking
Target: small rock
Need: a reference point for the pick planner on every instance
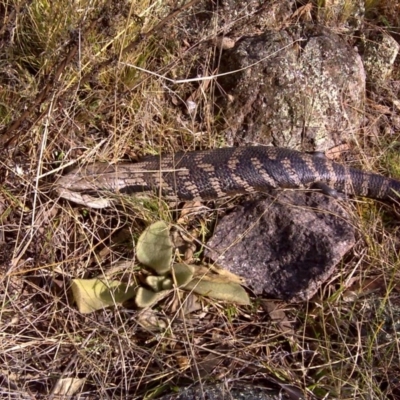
(380, 53)
(285, 246)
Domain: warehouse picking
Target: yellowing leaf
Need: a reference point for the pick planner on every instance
(154, 248)
(95, 294)
(227, 291)
(217, 274)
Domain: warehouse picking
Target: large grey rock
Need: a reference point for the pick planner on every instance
(301, 88)
(284, 246)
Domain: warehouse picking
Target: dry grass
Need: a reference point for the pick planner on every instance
(66, 94)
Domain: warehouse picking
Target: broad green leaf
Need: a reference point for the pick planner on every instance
(147, 298)
(183, 273)
(95, 294)
(154, 248)
(227, 291)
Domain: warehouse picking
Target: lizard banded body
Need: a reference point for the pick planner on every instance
(213, 174)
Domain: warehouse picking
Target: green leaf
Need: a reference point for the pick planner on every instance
(147, 298)
(154, 248)
(167, 284)
(227, 291)
(158, 283)
(94, 294)
(183, 273)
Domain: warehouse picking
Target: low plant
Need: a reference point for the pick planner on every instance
(155, 253)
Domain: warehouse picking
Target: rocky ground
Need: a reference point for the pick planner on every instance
(118, 80)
